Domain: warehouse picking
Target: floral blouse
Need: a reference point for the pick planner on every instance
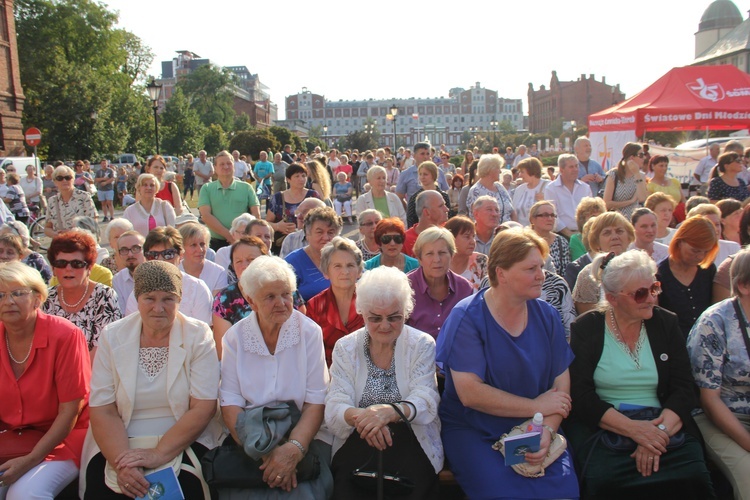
(61, 214)
(476, 271)
(231, 305)
(559, 251)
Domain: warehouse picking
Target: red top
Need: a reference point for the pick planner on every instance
(322, 309)
(409, 239)
(58, 371)
(165, 193)
(344, 167)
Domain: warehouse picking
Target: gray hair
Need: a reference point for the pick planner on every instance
(431, 235)
(487, 163)
(739, 271)
(485, 198)
(20, 229)
(241, 220)
(581, 139)
(381, 287)
(264, 270)
(87, 224)
(194, 230)
(621, 270)
(736, 146)
(117, 223)
(345, 245)
(377, 169)
(422, 199)
(323, 214)
(365, 213)
(563, 158)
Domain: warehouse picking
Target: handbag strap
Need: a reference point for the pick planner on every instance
(401, 414)
(743, 324)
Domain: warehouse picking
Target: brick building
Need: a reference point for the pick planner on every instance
(11, 93)
(569, 101)
(443, 120)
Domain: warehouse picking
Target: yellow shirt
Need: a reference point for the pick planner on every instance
(100, 274)
(673, 189)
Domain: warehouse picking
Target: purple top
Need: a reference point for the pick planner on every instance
(429, 314)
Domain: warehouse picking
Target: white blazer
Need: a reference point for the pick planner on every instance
(395, 207)
(192, 369)
(415, 377)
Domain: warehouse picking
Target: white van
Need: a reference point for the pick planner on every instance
(21, 162)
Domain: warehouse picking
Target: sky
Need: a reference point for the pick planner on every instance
(386, 49)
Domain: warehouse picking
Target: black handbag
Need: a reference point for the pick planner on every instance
(229, 467)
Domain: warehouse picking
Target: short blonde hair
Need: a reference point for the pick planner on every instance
(431, 235)
(193, 230)
(63, 170)
(487, 163)
(344, 245)
(145, 177)
(608, 219)
(512, 246)
(704, 209)
(376, 169)
(431, 168)
(586, 208)
(18, 272)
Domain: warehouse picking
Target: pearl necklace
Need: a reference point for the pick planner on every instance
(7, 344)
(74, 306)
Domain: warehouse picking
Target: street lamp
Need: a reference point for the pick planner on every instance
(325, 134)
(394, 112)
(493, 124)
(154, 90)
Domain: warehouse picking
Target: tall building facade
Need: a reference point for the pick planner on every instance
(569, 101)
(442, 120)
(723, 37)
(11, 93)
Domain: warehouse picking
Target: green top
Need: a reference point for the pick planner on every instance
(577, 249)
(381, 205)
(410, 263)
(227, 204)
(620, 379)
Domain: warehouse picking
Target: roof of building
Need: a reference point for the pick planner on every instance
(720, 14)
(735, 41)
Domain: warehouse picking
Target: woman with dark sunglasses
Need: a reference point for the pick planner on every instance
(390, 235)
(625, 187)
(67, 203)
(631, 428)
(725, 183)
(76, 297)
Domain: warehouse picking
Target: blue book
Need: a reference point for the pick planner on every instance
(516, 447)
(163, 485)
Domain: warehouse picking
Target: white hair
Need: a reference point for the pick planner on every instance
(117, 223)
(622, 270)
(381, 287)
(241, 221)
(264, 270)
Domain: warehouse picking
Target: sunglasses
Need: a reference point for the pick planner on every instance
(640, 295)
(547, 215)
(641, 155)
(387, 238)
(75, 263)
(61, 178)
(167, 254)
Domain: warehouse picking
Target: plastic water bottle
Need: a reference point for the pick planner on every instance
(536, 424)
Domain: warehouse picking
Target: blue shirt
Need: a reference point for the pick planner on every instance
(262, 169)
(594, 168)
(408, 182)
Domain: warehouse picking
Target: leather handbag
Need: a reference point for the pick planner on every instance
(557, 446)
(18, 442)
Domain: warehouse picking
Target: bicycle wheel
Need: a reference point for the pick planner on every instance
(36, 232)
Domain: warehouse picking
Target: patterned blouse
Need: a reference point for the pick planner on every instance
(559, 251)
(624, 190)
(476, 270)
(231, 305)
(719, 356)
(61, 214)
(366, 254)
(720, 190)
(100, 310)
(381, 386)
(36, 261)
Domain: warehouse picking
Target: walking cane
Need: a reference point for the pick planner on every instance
(381, 479)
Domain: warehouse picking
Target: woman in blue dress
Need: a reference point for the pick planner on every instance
(505, 358)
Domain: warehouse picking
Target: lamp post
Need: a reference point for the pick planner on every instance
(493, 124)
(394, 112)
(154, 90)
(325, 134)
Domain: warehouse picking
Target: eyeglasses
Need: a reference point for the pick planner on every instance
(15, 294)
(387, 238)
(547, 215)
(394, 319)
(75, 263)
(61, 178)
(168, 254)
(640, 295)
(641, 155)
(135, 250)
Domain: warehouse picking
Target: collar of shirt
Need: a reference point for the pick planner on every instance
(419, 282)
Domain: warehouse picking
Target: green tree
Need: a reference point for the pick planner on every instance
(182, 130)
(209, 91)
(80, 74)
(242, 122)
(359, 139)
(313, 142)
(286, 136)
(216, 139)
(254, 141)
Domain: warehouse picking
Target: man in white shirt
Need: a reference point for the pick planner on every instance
(203, 170)
(702, 171)
(240, 167)
(130, 247)
(522, 155)
(566, 192)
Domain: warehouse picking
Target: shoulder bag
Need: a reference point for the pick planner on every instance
(17, 442)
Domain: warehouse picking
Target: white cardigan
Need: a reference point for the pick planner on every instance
(395, 206)
(415, 377)
(192, 370)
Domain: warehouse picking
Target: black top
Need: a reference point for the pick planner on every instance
(675, 389)
(573, 269)
(687, 302)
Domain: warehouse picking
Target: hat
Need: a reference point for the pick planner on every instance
(157, 276)
(184, 218)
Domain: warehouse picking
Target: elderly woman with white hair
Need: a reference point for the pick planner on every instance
(276, 354)
(68, 203)
(717, 346)
(488, 183)
(632, 389)
(196, 238)
(379, 197)
(383, 395)
(437, 289)
(149, 212)
(28, 256)
(367, 243)
(237, 230)
(112, 233)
